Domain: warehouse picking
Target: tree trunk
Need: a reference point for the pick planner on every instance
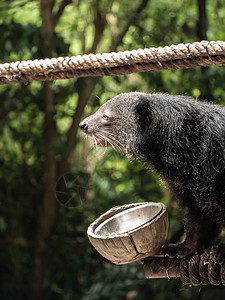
(202, 20)
(48, 211)
(206, 92)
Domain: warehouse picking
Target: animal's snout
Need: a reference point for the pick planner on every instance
(84, 125)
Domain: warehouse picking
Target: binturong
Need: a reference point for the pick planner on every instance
(184, 142)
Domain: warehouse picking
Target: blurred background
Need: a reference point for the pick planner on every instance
(52, 183)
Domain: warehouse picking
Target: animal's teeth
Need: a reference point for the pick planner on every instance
(96, 140)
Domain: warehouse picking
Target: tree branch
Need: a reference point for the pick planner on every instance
(60, 10)
(99, 22)
(130, 22)
(47, 28)
(85, 89)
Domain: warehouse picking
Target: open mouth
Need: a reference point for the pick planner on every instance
(99, 141)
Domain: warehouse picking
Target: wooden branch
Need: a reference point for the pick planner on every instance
(60, 11)
(130, 22)
(99, 22)
(47, 27)
(159, 266)
(85, 89)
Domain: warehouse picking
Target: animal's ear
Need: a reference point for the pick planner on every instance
(142, 112)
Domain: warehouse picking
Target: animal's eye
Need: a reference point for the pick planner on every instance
(105, 117)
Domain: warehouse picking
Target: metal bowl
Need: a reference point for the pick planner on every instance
(129, 219)
(130, 232)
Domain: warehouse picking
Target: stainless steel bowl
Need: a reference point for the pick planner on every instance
(129, 219)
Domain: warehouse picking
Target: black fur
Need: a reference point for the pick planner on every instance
(183, 141)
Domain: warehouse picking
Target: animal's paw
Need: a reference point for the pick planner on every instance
(217, 252)
(180, 250)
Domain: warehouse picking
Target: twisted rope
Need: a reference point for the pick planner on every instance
(201, 269)
(181, 56)
(197, 269)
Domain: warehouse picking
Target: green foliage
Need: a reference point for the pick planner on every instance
(74, 270)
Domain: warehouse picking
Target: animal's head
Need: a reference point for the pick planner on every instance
(119, 122)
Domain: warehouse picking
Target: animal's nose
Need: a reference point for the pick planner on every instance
(83, 125)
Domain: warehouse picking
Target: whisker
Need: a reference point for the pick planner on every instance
(95, 141)
(85, 137)
(117, 145)
(113, 143)
(111, 135)
(105, 138)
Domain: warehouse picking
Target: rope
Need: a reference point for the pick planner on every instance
(181, 56)
(201, 269)
(198, 269)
